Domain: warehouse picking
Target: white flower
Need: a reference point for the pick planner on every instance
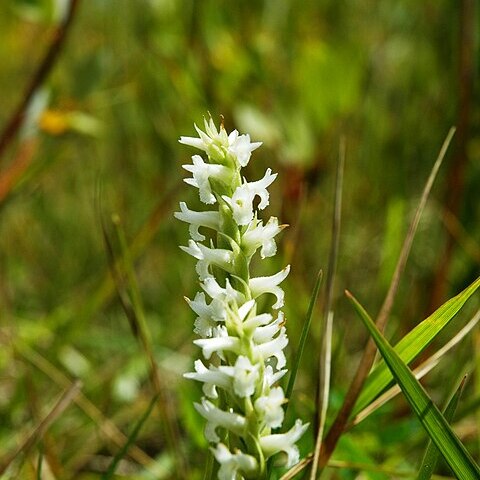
(232, 465)
(261, 285)
(244, 375)
(211, 377)
(284, 442)
(257, 235)
(198, 219)
(218, 418)
(211, 141)
(202, 172)
(217, 309)
(208, 314)
(267, 332)
(252, 323)
(208, 256)
(269, 407)
(274, 348)
(241, 147)
(270, 377)
(241, 202)
(217, 142)
(225, 295)
(218, 343)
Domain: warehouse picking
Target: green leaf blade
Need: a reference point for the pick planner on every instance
(304, 335)
(413, 344)
(430, 459)
(108, 475)
(437, 427)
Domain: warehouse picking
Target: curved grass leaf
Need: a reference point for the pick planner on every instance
(420, 371)
(410, 346)
(130, 440)
(430, 459)
(437, 427)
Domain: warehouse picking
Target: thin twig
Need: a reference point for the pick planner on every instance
(37, 433)
(38, 77)
(368, 358)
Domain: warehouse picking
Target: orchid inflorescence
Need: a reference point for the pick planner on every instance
(242, 347)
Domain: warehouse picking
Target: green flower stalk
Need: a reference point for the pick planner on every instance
(242, 348)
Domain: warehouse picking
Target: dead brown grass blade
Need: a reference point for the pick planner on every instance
(131, 302)
(48, 61)
(37, 433)
(324, 361)
(106, 427)
(10, 176)
(368, 358)
(419, 372)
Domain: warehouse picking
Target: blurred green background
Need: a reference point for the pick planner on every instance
(101, 138)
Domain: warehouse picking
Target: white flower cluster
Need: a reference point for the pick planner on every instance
(242, 348)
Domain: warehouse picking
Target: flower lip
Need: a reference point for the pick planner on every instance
(261, 285)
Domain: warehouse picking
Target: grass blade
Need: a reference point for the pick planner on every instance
(301, 347)
(414, 343)
(39, 464)
(130, 439)
(420, 371)
(26, 445)
(131, 302)
(437, 427)
(303, 337)
(432, 454)
(368, 358)
(324, 360)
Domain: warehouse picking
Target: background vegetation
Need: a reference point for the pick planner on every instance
(99, 138)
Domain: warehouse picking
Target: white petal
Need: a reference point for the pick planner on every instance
(233, 465)
(219, 418)
(245, 377)
(270, 377)
(198, 219)
(261, 285)
(217, 344)
(270, 407)
(272, 444)
(211, 378)
(241, 147)
(274, 348)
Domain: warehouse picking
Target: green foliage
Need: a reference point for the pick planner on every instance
(437, 427)
(130, 79)
(412, 344)
(431, 457)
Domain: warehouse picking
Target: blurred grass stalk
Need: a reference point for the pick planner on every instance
(131, 302)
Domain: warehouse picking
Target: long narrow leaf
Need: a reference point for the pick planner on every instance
(130, 440)
(430, 459)
(413, 344)
(437, 427)
(425, 367)
(304, 335)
